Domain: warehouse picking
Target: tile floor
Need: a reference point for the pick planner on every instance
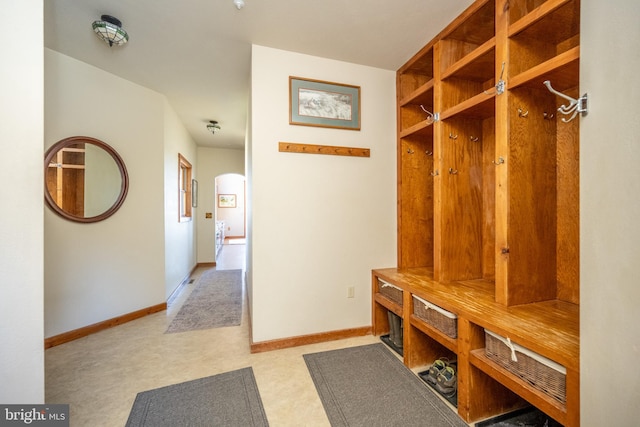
(100, 375)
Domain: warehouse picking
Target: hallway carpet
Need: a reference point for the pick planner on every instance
(215, 302)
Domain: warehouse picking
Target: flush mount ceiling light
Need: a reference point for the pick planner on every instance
(239, 3)
(110, 30)
(213, 126)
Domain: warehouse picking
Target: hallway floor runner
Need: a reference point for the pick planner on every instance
(215, 302)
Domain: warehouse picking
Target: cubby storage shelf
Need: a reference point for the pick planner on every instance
(545, 11)
(562, 70)
(549, 405)
(480, 106)
(416, 77)
(488, 209)
(388, 304)
(477, 65)
(543, 35)
(424, 128)
(475, 25)
(419, 96)
(448, 342)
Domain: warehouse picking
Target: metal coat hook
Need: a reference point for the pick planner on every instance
(410, 151)
(473, 138)
(453, 171)
(500, 86)
(429, 153)
(432, 117)
(452, 136)
(574, 107)
(499, 162)
(548, 116)
(522, 113)
(435, 173)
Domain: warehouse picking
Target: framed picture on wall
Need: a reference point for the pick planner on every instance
(226, 200)
(323, 104)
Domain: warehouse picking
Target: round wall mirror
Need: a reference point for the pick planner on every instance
(85, 179)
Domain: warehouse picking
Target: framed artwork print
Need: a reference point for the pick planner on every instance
(323, 104)
(226, 200)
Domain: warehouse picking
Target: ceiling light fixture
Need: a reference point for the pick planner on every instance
(239, 3)
(110, 30)
(213, 126)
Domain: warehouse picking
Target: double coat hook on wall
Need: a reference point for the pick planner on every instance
(574, 107)
(432, 117)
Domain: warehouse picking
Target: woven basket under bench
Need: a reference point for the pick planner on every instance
(542, 373)
(390, 291)
(439, 318)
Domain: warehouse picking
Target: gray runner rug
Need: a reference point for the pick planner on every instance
(215, 302)
(368, 386)
(227, 400)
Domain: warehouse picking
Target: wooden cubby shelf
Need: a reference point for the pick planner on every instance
(445, 340)
(420, 96)
(488, 202)
(474, 65)
(480, 106)
(549, 405)
(569, 13)
(424, 128)
(388, 304)
(562, 70)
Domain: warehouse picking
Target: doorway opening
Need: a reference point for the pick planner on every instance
(230, 211)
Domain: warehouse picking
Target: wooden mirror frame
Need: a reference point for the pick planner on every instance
(124, 186)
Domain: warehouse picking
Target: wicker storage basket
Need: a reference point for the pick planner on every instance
(437, 317)
(542, 373)
(390, 291)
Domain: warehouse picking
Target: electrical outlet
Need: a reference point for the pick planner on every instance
(351, 292)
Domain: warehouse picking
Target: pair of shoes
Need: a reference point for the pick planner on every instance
(437, 367)
(447, 382)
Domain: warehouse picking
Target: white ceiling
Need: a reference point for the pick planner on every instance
(197, 52)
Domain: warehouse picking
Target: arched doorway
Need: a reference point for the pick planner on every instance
(230, 208)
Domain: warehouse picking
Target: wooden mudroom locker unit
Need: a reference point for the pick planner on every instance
(488, 119)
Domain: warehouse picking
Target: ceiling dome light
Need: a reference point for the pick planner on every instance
(110, 30)
(213, 126)
(239, 3)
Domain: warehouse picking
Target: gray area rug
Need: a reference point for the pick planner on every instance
(229, 400)
(369, 386)
(215, 302)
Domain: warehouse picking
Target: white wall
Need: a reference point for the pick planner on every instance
(319, 223)
(21, 192)
(180, 237)
(95, 272)
(610, 214)
(212, 162)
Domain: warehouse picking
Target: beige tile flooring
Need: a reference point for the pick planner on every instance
(100, 375)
